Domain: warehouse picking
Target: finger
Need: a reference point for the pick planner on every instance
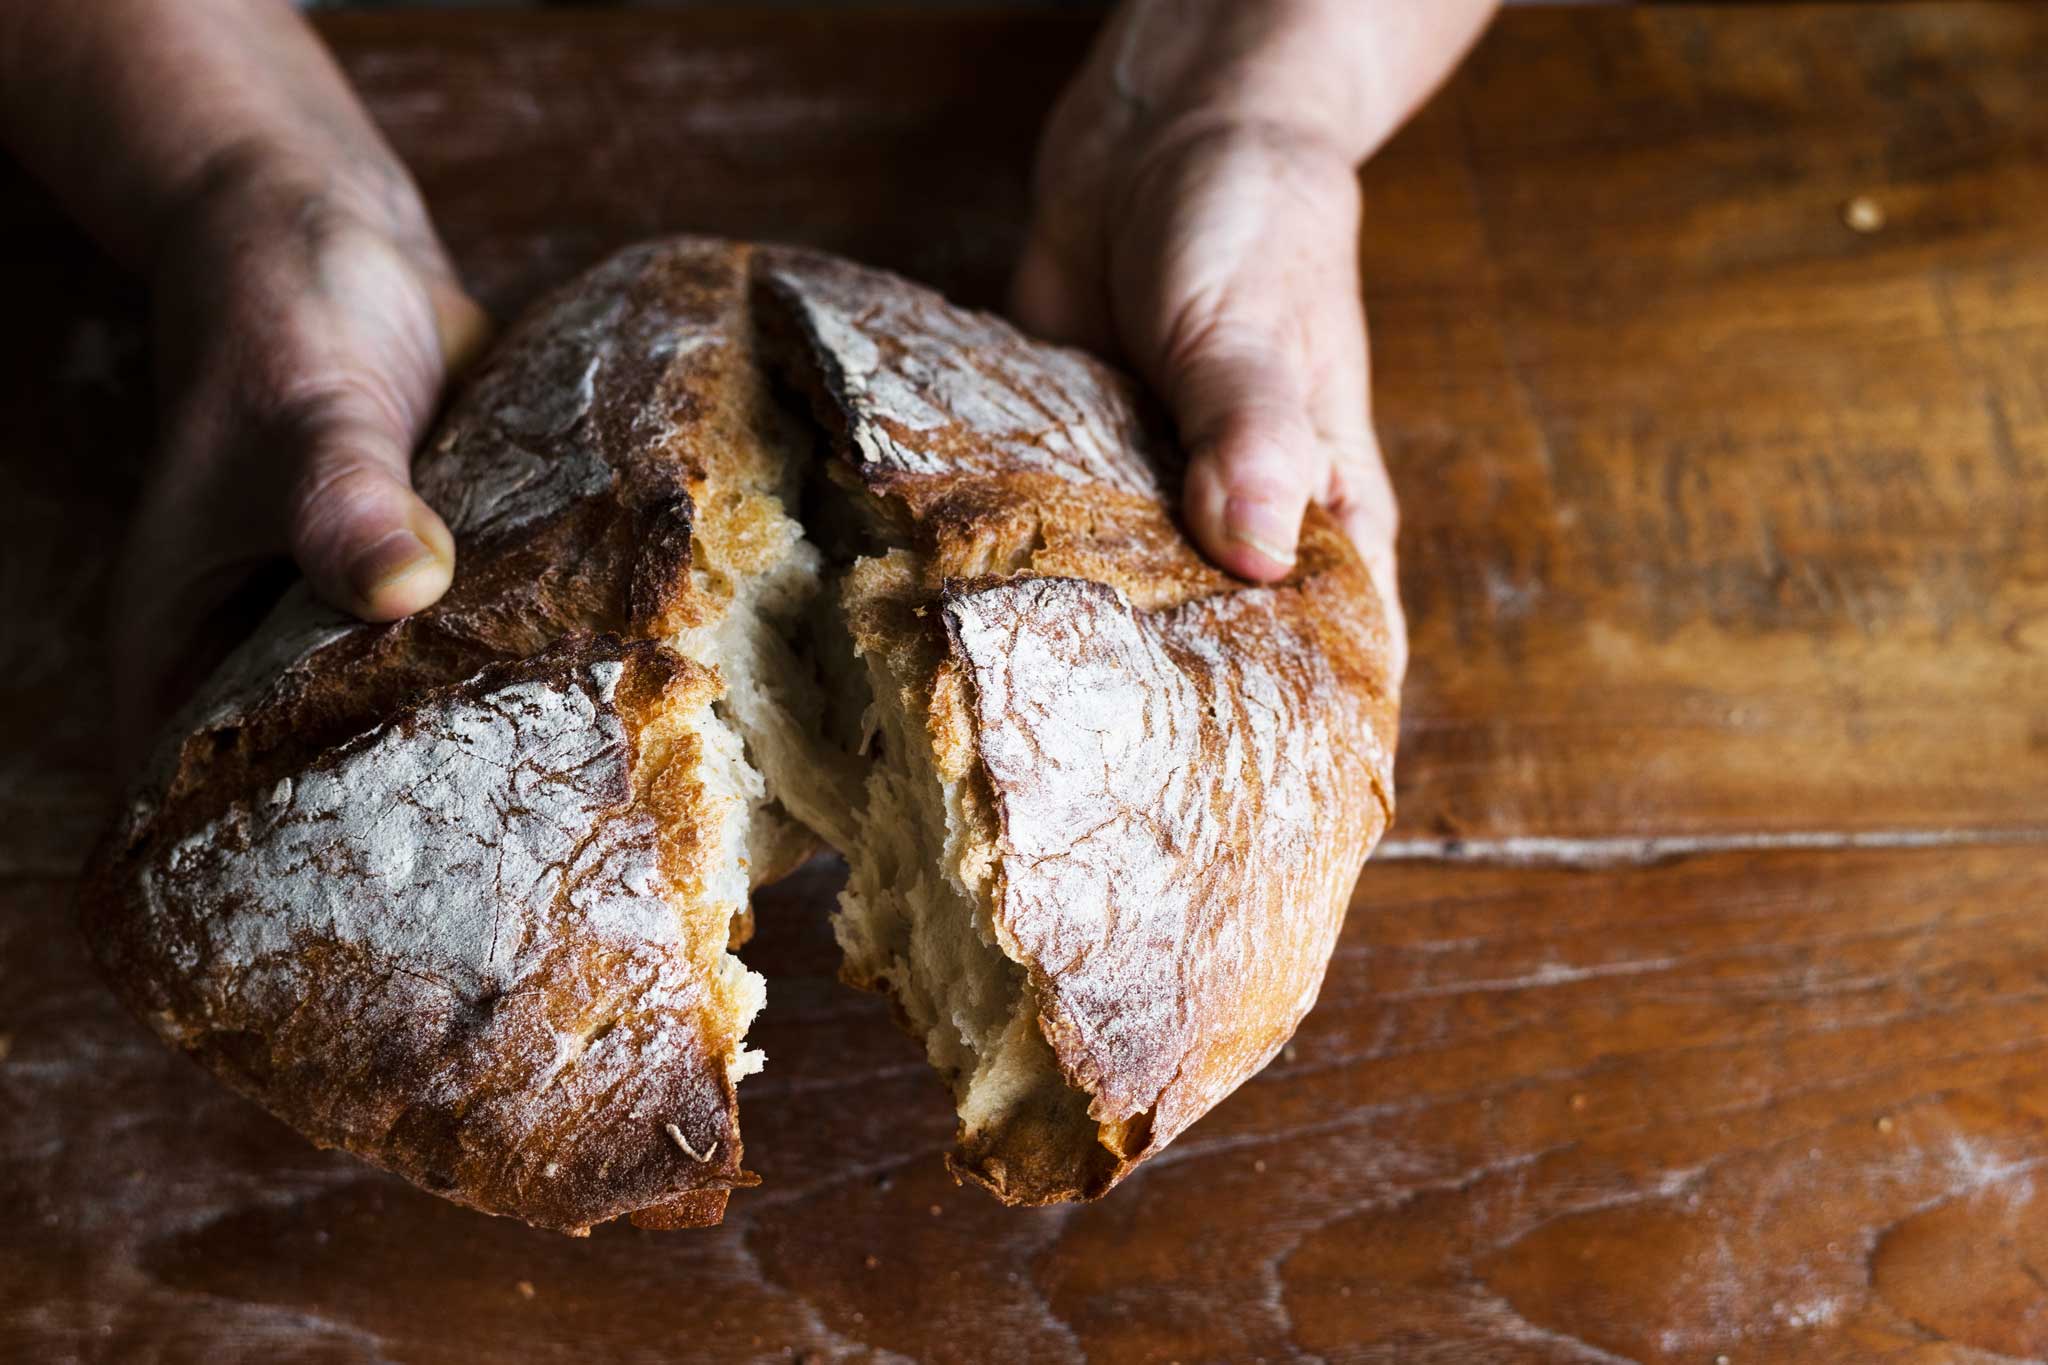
(184, 593)
(1236, 289)
(1360, 495)
(463, 326)
(1253, 455)
(1048, 298)
(1362, 500)
(365, 541)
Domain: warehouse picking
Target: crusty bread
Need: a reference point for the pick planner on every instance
(759, 548)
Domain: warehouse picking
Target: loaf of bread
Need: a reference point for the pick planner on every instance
(760, 550)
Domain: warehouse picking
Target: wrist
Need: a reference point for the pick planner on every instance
(138, 113)
(1330, 73)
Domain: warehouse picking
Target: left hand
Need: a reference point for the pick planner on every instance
(1197, 212)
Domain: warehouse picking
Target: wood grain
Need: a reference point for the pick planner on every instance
(1699, 1008)
(1785, 1106)
(1722, 516)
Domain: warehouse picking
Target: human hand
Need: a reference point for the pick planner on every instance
(304, 330)
(1197, 212)
(305, 314)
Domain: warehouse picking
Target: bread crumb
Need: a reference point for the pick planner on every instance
(1579, 1102)
(937, 1210)
(1721, 1360)
(871, 1261)
(1863, 214)
(1884, 1123)
(526, 1290)
(1260, 1165)
(684, 1143)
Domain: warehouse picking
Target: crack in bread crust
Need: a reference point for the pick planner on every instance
(571, 469)
(759, 548)
(1155, 785)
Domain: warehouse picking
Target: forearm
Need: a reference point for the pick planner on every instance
(128, 109)
(306, 314)
(1347, 72)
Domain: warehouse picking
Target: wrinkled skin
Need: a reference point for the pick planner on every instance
(1197, 216)
(302, 343)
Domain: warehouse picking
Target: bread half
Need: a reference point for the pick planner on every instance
(761, 550)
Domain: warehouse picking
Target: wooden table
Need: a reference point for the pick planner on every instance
(1695, 1009)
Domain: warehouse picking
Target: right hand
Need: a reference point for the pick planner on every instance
(306, 320)
(306, 316)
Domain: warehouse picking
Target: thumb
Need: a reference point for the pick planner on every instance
(365, 541)
(1253, 455)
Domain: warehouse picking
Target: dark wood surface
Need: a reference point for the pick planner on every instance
(1699, 1005)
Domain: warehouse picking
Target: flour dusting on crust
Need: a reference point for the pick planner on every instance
(435, 843)
(459, 893)
(931, 389)
(531, 451)
(1164, 851)
(479, 883)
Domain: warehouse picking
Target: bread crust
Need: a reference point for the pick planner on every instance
(448, 892)
(479, 984)
(542, 1084)
(1180, 774)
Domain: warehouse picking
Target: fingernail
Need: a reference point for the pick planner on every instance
(397, 557)
(1262, 526)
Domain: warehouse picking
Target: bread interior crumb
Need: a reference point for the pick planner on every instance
(691, 731)
(828, 674)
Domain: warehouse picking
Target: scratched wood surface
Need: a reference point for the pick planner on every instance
(1700, 1009)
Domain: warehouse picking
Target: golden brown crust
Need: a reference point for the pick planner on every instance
(450, 946)
(1180, 774)
(455, 893)
(534, 1073)
(1184, 798)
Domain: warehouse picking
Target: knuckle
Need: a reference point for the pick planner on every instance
(313, 407)
(1264, 143)
(319, 417)
(1263, 469)
(336, 492)
(1224, 358)
(1241, 324)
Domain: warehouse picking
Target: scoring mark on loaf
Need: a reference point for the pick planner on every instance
(297, 629)
(977, 395)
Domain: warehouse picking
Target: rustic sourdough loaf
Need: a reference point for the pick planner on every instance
(760, 549)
